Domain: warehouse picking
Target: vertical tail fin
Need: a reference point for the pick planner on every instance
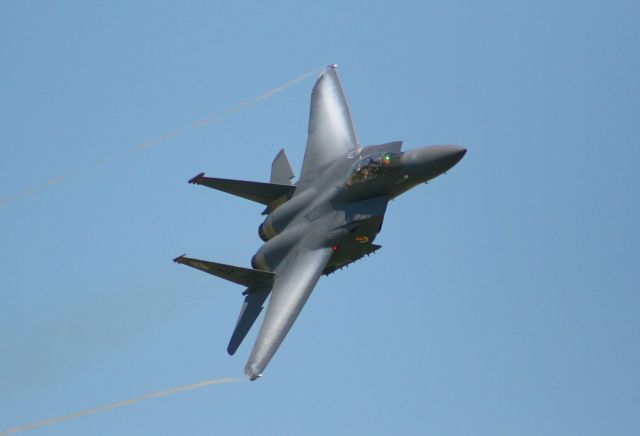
(281, 172)
(251, 308)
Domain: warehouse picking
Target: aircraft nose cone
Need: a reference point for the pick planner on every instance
(449, 155)
(428, 162)
(442, 158)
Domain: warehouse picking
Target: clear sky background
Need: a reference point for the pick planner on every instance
(505, 299)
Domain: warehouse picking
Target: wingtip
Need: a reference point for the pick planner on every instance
(252, 372)
(180, 258)
(332, 66)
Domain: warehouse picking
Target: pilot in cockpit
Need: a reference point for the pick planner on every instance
(372, 166)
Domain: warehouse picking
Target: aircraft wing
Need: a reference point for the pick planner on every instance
(292, 286)
(331, 132)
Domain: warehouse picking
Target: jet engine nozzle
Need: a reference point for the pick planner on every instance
(266, 232)
(282, 216)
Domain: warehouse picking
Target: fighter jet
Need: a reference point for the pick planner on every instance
(327, 220)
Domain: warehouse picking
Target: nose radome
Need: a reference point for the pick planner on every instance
(430, 161)
(444, 157)
(451, 152)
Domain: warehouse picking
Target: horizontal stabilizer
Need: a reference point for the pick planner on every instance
(260, 192)
(251, 278)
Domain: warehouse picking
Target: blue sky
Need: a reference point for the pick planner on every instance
(505, 297)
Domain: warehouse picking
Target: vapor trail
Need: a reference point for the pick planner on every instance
(107, 407)
(155, 140)
(27, 192)
(246, 104)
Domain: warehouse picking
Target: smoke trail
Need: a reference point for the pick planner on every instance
(156, 140)
(123, 403)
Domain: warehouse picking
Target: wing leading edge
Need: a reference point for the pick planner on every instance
(331, 132)
(291, 290)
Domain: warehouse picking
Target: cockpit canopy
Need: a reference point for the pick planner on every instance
(373, 166)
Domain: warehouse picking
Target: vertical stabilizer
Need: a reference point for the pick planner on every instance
(249, 312)
(281, 171)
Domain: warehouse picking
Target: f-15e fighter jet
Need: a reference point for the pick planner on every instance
(325, 221)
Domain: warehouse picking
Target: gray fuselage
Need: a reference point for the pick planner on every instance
(336, 211)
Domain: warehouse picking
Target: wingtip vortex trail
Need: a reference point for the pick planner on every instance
(28, 192)
(118, 404)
